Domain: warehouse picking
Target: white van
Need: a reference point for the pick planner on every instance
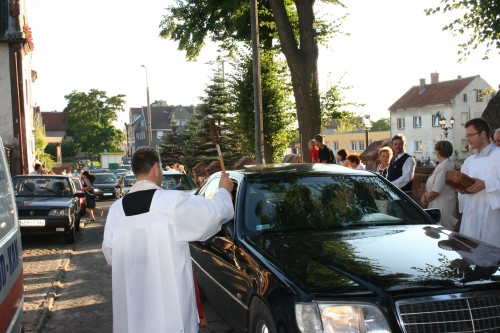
(11, 263)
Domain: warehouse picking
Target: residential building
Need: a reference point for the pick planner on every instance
(55, 129)
(416, 113)
(17, 114)
(162, 116)
(354, 142)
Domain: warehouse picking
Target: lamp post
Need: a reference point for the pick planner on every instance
(148, 112)
(368, 124)
(442, 123)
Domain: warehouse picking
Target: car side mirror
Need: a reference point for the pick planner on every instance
(434, 213)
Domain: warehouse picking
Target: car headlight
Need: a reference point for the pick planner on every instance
(340, 318)
(59, 212)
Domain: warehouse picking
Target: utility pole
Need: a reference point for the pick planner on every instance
(148, 115)
(257, 87)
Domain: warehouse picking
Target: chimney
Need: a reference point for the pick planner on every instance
(422, 86)
(434, 78)
(459, 77)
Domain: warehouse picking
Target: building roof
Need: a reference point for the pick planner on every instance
(53, 121)
(431, 94)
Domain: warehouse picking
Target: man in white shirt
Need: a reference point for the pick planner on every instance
(496, 137)
(38, 170)
(480, 203)
(402, 166)
(146, 241)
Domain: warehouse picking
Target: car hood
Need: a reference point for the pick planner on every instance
(380, 259)
(107, 186)
(37, 201)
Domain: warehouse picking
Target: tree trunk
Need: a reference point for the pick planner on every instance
(492, 112)
(302, 59)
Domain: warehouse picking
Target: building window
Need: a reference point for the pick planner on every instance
(464, 145)
(419, 146)
(435, 121)
(159, 134)
(464, 117)
(417, 122)
(465, 98)
(335, 145)
(401, 123)
(353, 145)
(479, 95)
(361, 145)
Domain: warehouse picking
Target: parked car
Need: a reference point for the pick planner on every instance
(322, 248)
(106, 186)
(47, 204)
(175, 180)
(128, 181)
(77, 181)
(11, 254)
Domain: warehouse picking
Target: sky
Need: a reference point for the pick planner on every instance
(101, 44)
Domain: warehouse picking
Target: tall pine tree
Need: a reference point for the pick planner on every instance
(199, 147)
(171, 147)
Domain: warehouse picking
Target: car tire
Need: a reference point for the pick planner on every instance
(70, 236)
(77, 222)
(261, 319)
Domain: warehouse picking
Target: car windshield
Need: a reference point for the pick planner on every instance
(177, 182)
(77, 184)
(105, 178)
(129, 181)
(288, 204)
(43, 186)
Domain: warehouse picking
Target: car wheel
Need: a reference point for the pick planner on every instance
(261, 319)
(69, 236)
(77, 222)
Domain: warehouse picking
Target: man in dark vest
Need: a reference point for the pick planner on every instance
(402, 166)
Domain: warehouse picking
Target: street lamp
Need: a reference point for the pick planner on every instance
(442, 123)
(368, 124)
(148, 115)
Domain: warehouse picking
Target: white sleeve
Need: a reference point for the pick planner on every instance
(197, 218)
(408, 171)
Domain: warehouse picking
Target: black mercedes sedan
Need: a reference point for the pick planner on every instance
(324, 248)
(47, 204)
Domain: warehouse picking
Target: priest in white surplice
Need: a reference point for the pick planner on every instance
(480, 203)
(146, 241)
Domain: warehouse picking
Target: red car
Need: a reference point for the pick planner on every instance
(79, 185)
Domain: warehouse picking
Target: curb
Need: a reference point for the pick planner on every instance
(52, 293)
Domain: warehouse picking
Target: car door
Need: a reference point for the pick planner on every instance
(218, 271)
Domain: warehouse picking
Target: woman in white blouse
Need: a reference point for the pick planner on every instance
(438, 194)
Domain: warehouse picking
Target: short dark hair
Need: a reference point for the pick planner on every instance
(318, 138)
(399, 137)
(143, 160)
(354, 158)
(37, 166)
(444, 148)
(480, 125)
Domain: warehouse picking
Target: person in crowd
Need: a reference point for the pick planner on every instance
(88, 188)
(158, 294)
(480, 203)
(402, 166)
(342, 158)
(313, 151)
(385, 155)
(38, 170)
(37, 160)
(325, 154)
(438, 194)
(355, 162)
(496, 137)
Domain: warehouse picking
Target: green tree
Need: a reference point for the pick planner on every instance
(290, 23)
(171, 148)
(41, 144)
(477, 19)
(278, 114)
(89, 119)
(383, 124)
(199, 146)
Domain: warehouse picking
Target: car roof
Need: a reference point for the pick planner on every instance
(294, 168)
(172, 172)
